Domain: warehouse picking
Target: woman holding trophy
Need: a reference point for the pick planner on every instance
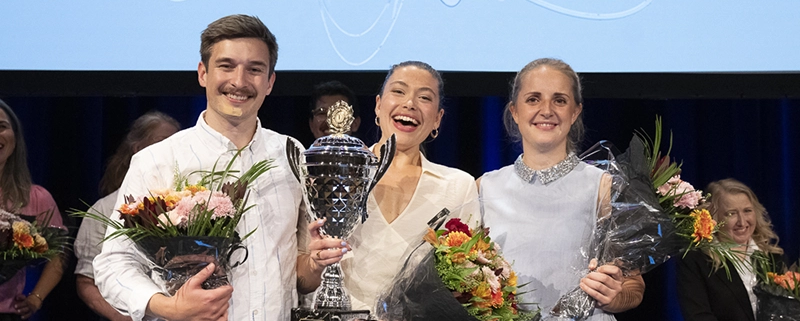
(543, 208)
(413, 189)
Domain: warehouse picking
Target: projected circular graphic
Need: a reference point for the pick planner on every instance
(597, 10)
(358, 24)
(354, 25)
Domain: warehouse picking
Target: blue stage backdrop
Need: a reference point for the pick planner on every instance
(755, 141)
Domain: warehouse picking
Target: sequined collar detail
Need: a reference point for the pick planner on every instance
(546, 176)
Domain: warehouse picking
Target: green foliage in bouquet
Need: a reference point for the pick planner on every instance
(20, 239)
(682, 202)
(22, 242)
(774, 280)
(210, 207)
(470, 265)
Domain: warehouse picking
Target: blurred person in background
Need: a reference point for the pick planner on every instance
(323, 97)
(18, 195)
(705, 291)
(150, 128)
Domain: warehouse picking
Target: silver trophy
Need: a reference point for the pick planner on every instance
(337, 174)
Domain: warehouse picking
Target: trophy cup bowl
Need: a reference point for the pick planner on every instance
(337, 174)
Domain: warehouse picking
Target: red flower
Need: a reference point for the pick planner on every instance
(455, 225)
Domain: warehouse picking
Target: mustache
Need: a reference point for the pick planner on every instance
(244, 91)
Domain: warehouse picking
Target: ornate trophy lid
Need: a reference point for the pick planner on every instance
(339, 146)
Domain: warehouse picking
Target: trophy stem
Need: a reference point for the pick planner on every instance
(331, 294)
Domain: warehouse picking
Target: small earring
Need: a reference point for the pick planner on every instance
(377, 122)
(435, 133)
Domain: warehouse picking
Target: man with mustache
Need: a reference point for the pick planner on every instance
(238, 57)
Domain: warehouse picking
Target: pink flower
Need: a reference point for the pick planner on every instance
(690, 197)
(669, 186)
(686, 195)
(221, 204)
(506, 272)
(491, 278)
(482, 258)
(216, 201)
(182, 210)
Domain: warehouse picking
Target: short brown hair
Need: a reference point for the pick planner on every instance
(238, 26)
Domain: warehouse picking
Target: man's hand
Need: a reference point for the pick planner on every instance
(192, 302)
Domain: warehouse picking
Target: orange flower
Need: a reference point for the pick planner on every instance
(195, 188)
(484, 292)
(497, 299)
(23, 240)
(456, 238)
(131, 209)
(430, 237)
(170, 200)
(458, 258)
(481, 245)
(788, 280)
(703, 225)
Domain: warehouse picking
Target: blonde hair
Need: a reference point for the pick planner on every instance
(763, 235)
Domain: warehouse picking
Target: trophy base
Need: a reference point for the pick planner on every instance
(301, 314)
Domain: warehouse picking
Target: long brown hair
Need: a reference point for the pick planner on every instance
(16, 180)
(139, 134)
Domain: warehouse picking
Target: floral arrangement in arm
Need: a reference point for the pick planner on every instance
(23, 242)
(186, 227)
(470, 265)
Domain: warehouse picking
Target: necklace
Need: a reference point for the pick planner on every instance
(546, 175)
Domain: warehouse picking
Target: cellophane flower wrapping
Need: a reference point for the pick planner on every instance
(654, 215)
(24, 242)
(778, 293)
(776, 305)
(179, 258)
(184, 228)
(636, 235)
(458, 273)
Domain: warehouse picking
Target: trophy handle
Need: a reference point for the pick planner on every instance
(293, 155)
(387, 154)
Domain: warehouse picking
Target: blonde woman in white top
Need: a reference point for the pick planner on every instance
(413, 189)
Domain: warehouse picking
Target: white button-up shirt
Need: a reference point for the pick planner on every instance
(90, 235)
(265, 285)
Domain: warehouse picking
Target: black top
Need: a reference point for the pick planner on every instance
(707, 296)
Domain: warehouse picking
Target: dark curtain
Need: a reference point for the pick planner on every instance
(755, 141)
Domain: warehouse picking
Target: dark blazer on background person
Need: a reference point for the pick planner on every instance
(707, 296)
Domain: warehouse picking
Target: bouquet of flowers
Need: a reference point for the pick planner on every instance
(23, 242)
(778, 294)
(654, 215)
(185, 228)
(463, 277)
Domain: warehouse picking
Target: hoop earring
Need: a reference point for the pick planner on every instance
(435, 133)
(377, 122)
